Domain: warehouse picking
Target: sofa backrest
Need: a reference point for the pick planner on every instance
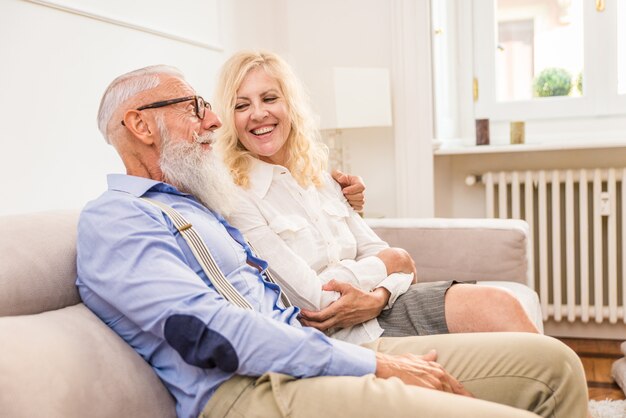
(461, 249)
(37, 262)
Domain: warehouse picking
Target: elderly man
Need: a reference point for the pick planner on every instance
(230, 347)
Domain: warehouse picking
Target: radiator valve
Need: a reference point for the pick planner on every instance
(605, 204)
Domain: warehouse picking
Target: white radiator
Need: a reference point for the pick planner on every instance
(577, 223)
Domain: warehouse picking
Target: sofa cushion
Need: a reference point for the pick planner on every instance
(461, 249)
(68, 364)
(38, 262)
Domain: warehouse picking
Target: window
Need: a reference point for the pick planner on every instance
(539, 49)
(515, 57)
(560, 63)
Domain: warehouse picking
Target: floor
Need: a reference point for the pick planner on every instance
(597, 357)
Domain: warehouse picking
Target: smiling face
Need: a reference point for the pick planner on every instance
(261, 117)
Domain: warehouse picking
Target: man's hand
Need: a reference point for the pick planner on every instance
(417, 370)
(398, 260)
(353, 189)
(354, 306)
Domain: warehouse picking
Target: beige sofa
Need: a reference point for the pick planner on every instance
(58, 360)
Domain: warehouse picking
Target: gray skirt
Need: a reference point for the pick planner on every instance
(419, 311)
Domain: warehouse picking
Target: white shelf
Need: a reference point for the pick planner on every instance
(550, 146)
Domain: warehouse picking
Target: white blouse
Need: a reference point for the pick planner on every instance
(310, 236)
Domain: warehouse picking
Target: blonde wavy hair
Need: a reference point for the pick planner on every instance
(307, 156)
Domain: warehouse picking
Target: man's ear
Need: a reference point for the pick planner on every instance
(139, 126)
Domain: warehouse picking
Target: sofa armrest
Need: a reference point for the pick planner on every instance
(461, 249)
(37, 262)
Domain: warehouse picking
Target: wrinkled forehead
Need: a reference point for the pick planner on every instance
(170, 87)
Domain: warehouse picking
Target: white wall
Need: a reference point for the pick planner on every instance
(55, 67)
(254, 24)
(53, 156)
(348, 33)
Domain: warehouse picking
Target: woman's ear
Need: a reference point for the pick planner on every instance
(139, 126)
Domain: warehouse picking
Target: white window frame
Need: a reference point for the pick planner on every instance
(453, 69)
(599, 115)
(600, 70)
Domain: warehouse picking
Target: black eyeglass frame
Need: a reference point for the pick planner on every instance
(200, 105)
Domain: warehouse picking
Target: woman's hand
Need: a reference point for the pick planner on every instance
(354, 306)
(398, 260)
(353, 189)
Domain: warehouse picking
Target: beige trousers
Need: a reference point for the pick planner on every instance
(508, 373)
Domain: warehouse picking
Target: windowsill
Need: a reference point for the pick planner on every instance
(549, 146)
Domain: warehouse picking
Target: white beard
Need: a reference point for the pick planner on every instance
(199, 172)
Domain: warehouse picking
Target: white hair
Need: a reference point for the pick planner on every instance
(126, 86)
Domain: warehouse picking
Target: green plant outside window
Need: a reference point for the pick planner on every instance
(552, 82)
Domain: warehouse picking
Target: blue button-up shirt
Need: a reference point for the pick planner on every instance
(136, 272)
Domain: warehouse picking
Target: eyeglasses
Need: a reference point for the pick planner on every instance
(199, 104)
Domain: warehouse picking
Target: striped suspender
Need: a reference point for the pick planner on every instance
(206, 260)
(204, 257)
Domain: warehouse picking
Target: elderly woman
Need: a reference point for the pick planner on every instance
(347, 281)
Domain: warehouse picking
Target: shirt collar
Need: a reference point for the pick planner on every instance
(261, 176)
(138, 186)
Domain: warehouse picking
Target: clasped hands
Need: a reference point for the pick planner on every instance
(356, 306)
